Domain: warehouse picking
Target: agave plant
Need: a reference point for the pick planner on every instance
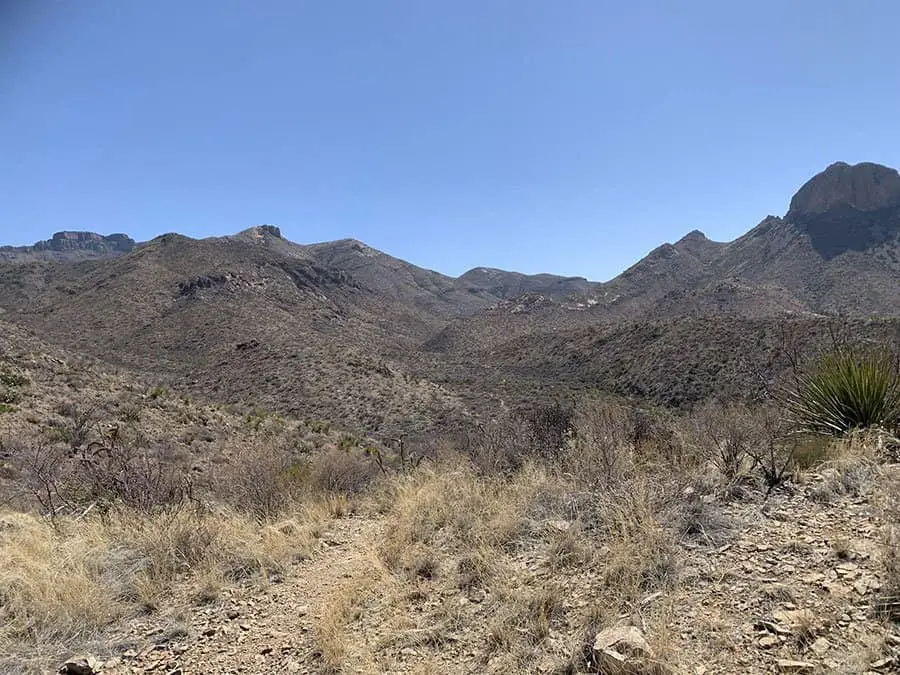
(847, 388)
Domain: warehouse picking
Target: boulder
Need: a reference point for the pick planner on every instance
(623, 650)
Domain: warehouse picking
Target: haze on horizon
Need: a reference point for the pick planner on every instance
(568, 138)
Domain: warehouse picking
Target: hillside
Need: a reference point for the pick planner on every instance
(241, 453)
(344, 332)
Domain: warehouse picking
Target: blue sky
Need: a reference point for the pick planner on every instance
(568, 137)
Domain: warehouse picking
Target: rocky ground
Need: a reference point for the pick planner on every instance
(793, 582)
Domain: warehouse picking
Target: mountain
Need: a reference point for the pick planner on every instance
(70, 246)
(511, 285)
(848, 208)
(837, 250)
(344, 332)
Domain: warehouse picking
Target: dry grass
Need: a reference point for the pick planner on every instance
(529, 554)
(65, 584)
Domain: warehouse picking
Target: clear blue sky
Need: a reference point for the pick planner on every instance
(568, 137)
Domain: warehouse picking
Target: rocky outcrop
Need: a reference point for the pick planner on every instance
(848, 208)
(864, 187)
(71, 246)
(71, 241)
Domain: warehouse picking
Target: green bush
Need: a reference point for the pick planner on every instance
(13, 379)
(847, 388)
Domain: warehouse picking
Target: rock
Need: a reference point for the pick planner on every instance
(77, 667)
(789, 666)
(623, 650)
(795, 620)
(820, 646)
(882, 664)
(627, 640)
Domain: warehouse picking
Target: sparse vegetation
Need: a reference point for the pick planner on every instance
(443, 516)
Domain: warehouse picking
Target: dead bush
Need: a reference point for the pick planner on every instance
(129, 474)
(346, 472)
(547, 430)
(727, 434)
(264, 480)
(601, 451)
(500, 446)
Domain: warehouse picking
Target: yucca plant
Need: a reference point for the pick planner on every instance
(850, 387)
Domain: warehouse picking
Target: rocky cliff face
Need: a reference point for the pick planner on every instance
(72, 246)
(90, 241)
(864, 187)
(849, 208)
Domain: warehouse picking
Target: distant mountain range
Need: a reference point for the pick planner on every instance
(342, 331)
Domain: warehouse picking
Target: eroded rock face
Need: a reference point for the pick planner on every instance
(865, 187)
(71, 246)
(849, 208)
(69, 241)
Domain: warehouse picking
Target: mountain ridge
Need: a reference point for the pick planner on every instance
(340, 330)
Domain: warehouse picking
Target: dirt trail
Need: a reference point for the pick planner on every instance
(260, 631)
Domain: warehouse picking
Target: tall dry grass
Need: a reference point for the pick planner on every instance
(63, 584)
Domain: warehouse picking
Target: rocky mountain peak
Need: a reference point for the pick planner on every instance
(261, 232)
(848, 208)
(864, 187)
(91, 241)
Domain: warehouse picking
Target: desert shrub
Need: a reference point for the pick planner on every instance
(773, 454)
(12, 380)
(849, 387)
(263, 480)
(499, 446)
(350, 471)
(601, 451)
(76, 426)
(726, 434)
(547, 429)
(131, 474)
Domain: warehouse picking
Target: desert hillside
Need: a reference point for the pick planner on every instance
(246, 454)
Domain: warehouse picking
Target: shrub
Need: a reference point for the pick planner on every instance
(601, 451)
(548, 429)
(728, 434)
(264, 479)
(850, 387)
